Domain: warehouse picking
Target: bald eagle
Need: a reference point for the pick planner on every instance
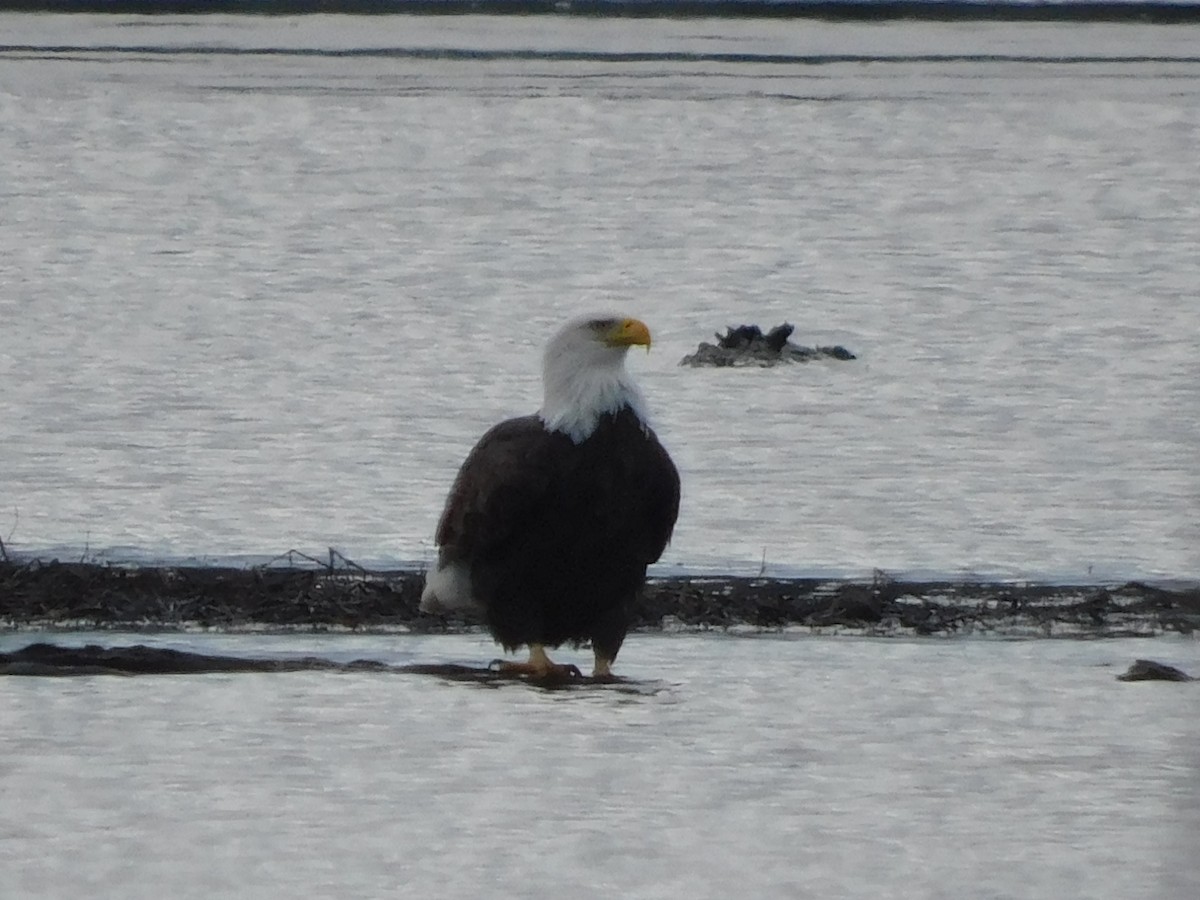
(554, 517)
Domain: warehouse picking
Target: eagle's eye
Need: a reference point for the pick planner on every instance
(602, 326)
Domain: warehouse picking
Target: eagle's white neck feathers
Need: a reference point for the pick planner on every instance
(584, 378)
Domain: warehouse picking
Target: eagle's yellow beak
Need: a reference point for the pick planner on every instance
(627, 333)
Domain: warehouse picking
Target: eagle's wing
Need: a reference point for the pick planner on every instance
(660, 499)
(501, 485)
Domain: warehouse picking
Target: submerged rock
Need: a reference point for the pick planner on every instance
(746, 345)
(44, 660)
(1149, 670)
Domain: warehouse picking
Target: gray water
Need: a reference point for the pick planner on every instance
(769, 766)
(252, 301)
(265, 280)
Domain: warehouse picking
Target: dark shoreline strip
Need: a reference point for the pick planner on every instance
(455, 54)
(49, 594)
(952, 10)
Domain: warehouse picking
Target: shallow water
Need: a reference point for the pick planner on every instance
(769, 766)
(266, 280)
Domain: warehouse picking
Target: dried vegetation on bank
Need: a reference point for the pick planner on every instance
(340, 594)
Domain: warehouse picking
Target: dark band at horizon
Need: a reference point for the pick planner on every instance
(1155, 12)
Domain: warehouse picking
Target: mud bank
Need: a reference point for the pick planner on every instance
(53, 594)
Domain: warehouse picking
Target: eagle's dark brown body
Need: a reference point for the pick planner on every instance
(556, 535)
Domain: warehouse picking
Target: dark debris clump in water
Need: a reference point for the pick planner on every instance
(746, 345)
(36, 593)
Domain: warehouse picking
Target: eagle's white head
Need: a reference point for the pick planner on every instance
(584, 376)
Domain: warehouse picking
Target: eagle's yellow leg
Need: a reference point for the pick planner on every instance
(602, 670)
(539, 666)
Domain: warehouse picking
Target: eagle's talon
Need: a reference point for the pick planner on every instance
(538, 667)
